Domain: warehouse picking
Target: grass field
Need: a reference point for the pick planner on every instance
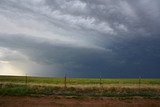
(79, 87)
(77, 81)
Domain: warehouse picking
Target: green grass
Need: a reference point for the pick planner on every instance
(37, 86)
(22, 79)
(17, 91)
(76, 81)
(37, 90)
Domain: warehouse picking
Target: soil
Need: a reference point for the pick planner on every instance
(61, 101)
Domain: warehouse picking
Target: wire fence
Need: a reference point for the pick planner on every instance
(67, 81)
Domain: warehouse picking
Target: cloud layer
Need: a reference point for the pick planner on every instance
(80, 38)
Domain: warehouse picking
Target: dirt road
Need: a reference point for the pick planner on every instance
(60, 101)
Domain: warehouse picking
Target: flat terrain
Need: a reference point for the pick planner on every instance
(59, 101)
(79, 81)
(81, 92)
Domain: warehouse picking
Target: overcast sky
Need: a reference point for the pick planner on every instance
(80, 38)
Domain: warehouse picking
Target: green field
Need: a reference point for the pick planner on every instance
(37, 86)
(77, 81)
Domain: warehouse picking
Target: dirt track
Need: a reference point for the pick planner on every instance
(59, 101)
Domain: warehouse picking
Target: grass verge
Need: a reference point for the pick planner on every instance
(37, 90)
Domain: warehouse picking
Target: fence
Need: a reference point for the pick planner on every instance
(68, 81)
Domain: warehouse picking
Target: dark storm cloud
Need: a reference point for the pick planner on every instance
(57, 55)
(82, 38)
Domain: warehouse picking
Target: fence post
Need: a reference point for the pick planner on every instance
(26, 79)
(65, 81)
(100, 79)
(139, 82)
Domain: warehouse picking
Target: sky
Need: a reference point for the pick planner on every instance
(80, 38)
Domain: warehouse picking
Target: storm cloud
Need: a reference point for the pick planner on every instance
(80, 38)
